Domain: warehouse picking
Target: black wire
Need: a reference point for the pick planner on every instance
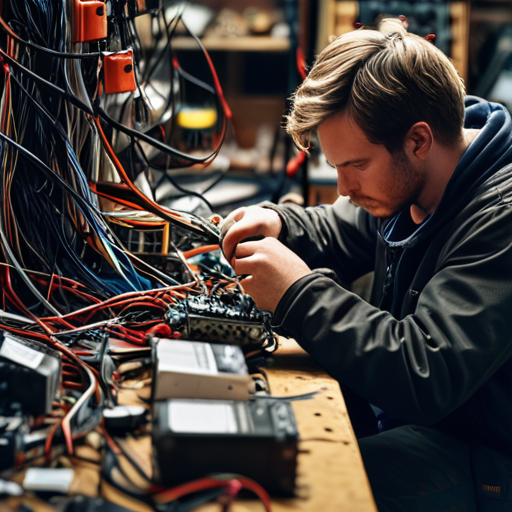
(47, 85)
(103, 362)
(156, 143)
(85, 207)
(63, 55)
(109, 462)
(51, 173)
(183, 190)
(129, 458)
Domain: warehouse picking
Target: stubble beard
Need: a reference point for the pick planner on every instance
(404, 193)
(407, 183)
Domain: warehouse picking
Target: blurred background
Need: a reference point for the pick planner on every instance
(260, 49)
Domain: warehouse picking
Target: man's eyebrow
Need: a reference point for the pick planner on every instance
(348, 162)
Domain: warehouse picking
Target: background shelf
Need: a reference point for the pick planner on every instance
(237, 44)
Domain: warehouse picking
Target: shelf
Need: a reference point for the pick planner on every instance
(235, 44)
(491, 14)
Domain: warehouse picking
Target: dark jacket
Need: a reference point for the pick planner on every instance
(435, 347)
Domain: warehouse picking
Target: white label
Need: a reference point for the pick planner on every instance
(19, 353)
(202, 418)
(48, 479)
(186, 356)
(122, 411)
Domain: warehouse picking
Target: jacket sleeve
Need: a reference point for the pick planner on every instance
(424, 366)
(340, 236)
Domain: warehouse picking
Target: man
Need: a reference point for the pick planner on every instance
(427, 203)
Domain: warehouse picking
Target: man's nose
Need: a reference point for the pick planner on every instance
(346, 184)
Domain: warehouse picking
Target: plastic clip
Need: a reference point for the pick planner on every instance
(118, 72)
(90, 21)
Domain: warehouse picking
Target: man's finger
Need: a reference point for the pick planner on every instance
(226, 226)
(229, 239)
(231, 219)
(245, 249)
(246, 283)
(238, 233)
(244, 266)
(249, 286)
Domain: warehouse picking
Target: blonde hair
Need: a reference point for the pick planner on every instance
(387, 80)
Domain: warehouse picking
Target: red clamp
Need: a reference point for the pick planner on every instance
(294, 164)
(118, 72)
(90, 21)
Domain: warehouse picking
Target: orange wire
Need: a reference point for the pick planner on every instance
(200, 250)
(124, 176)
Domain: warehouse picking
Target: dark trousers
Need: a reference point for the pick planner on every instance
(419, 469)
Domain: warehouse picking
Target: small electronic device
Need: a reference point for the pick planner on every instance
(19, 445)
(256, 438)
(194, 369)
(48, 479)
(124, 418)
(232, 319)
(30, 375)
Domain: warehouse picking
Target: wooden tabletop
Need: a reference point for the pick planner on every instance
(330, 472)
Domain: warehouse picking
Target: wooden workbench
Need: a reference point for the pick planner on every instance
(330, 473)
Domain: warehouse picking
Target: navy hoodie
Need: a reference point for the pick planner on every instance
(434, 346)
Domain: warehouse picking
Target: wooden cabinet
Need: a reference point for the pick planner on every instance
(338, 17)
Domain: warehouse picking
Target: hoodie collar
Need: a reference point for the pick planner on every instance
(490, 151)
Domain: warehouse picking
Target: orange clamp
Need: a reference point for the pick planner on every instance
(90, 21)
(118, 72)
(138, 7)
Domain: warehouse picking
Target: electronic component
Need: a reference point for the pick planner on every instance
(124, 418)
(30, 375)
(18, 445)
(90, 21)
(257, 439)
(192, 369)
(10, 441)
(48, 479)
(10, 489)
(118, 72)
(232, 319)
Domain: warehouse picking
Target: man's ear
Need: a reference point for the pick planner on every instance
(419, 140)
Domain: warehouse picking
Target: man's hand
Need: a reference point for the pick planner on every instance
(248, 222)
(272, 268)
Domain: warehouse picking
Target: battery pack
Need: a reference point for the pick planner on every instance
(193, 369)
(257, 439)
(30, 375)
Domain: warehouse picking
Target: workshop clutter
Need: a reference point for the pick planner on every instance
(102, 285)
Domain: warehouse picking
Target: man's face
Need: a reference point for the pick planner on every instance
(380, 182)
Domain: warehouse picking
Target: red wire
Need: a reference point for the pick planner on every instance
(210, 483)
(124, 176)
(49, 440)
